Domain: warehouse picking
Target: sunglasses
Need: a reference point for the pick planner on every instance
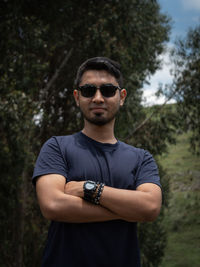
(107, 90)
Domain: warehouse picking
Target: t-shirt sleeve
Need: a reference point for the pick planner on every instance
(50, 160)
(147, 171)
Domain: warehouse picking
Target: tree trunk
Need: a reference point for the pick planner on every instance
(20, 223)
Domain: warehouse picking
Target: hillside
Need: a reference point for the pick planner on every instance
(183, 216)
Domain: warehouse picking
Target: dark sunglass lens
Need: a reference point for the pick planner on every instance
(108, 90)
(88, 90)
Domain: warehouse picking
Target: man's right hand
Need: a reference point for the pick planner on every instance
(74, 188)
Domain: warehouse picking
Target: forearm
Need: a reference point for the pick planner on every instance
(131, 205)
(142, 204)
(67, 208)
(57, 205)
(64, 202)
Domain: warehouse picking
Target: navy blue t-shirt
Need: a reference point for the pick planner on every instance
(100, 244)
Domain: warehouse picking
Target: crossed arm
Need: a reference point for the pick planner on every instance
(64, 202)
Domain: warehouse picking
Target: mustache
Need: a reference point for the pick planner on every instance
(98, 106)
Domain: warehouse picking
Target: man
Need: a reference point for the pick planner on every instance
(93, 187)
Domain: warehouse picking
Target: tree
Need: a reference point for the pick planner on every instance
(186, 83)
(42, 45)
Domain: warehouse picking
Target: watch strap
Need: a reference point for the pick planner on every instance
(93, 195)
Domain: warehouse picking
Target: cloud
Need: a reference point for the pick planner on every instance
(191, 4)
(196, 19)
(150, 98)
(162, 76)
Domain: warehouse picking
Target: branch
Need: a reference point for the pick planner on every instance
(52, 80)
(150, 116)
(57, 72)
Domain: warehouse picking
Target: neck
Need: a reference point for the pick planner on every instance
(103, 134)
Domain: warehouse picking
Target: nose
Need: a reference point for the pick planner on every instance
(98, 98)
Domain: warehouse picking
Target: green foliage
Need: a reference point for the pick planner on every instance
(186, 240)
(186, 57)
(44, 42)
(158, 128)
(152, 249)
(17, 159)
(183, 211)
(32, 56)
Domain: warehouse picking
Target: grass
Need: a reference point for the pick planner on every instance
(183, 248)
(183, 215)
(180, 158)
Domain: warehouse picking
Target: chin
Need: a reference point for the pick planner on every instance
(99, 121)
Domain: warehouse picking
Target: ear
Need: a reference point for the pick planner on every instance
(76, 97)
(123, 94)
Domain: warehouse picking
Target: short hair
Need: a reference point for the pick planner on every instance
(100, 63)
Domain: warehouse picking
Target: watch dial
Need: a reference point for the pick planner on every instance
(89, 186)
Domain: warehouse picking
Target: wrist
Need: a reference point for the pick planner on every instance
(92, 191)
(98, 194)
(81, 190)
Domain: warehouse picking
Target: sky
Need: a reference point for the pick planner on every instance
(184, 14)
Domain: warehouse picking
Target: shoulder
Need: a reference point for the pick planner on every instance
(59, 141)
(140, 155)
(53, 157)
(132, 149)
(146, 170)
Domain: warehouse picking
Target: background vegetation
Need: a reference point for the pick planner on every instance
(42, 44)
(183, 214)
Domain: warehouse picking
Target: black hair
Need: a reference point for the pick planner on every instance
(100, 63)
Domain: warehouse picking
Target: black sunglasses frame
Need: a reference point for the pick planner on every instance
(107, 90)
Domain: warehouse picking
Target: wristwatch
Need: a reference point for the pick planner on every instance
(89, 188)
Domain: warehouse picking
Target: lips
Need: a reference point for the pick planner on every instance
(98, 109)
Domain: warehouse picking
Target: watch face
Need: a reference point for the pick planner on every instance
(89, 186)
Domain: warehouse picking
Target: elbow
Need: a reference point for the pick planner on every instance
(152, 213)
(146, 215)
(49, 211)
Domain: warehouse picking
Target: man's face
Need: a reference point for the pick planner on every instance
(99, 110)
